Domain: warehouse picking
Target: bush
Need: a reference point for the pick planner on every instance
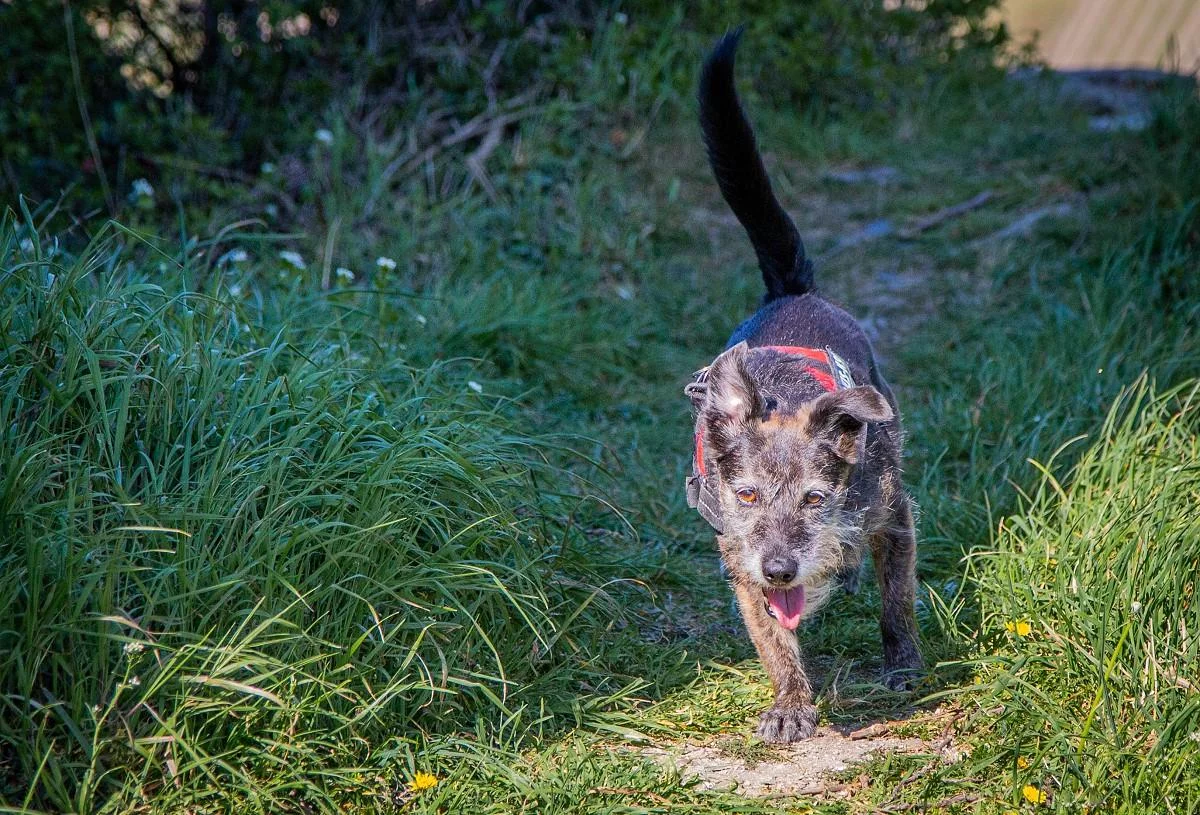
(221, 86)
(232, 560)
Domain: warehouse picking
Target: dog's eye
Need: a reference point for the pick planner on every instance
(748, 496)
(814, 497)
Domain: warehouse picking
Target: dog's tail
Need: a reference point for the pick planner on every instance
(733, 154)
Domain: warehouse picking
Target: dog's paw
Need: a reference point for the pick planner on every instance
(781, 725)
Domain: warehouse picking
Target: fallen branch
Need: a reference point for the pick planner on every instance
(476, 160)
(871, 232)
(882, 228)
(1026, 223)
(631, 792)
(482, 124)
(870, 732)
(920, 806)
(946, 214)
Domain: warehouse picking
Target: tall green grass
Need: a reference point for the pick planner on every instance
(1089, 601)
(236, 569)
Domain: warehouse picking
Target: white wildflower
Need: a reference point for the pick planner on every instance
(142, 188)
(385, 263)
(475, 386)
(1195, 736)
(1135, 606)
(344, 274)
(135, 682)
(293, 259)
(324, 136)
(132, 647)
(267, 168)
(233, 256)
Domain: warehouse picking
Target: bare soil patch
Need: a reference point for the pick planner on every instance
(804, 768)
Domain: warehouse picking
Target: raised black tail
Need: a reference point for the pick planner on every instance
(733, 154)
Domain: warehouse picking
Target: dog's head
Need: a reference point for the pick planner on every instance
(785, 470)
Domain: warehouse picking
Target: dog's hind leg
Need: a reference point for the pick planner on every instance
(894, 548)
(792, 717)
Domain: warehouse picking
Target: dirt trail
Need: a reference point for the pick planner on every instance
(805, 768)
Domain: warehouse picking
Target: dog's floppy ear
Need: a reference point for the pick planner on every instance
(841, 418)
(733, 398)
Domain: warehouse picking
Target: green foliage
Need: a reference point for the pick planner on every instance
(1089, 597)
(225, 85)
(43, 141)
(233, 554)
(855, 53)
(274, 539)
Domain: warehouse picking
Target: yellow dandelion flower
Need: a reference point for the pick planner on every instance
(1024, 629)
(1033, 795)
(422, 782)
(1023, 762)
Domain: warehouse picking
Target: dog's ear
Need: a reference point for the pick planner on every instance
(841, 418)
(733, 398)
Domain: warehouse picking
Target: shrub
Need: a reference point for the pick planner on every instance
(232, 559)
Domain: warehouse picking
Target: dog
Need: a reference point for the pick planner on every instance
(797, 441)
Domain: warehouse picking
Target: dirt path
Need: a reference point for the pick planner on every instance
(805, 768)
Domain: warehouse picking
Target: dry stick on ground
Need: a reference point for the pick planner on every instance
(812, 789)
(870, 731)
(943, 215)
(960, 798)
(1028, 221)
(915, 775)
(476, 160)
(631, 792)
(477, 125)
(882, 228)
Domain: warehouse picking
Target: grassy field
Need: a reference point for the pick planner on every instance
(377, 506)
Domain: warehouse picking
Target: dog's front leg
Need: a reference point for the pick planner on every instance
(793, 716)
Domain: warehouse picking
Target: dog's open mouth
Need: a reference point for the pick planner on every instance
(785, 605)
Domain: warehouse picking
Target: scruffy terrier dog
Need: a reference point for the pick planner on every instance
(797, 440)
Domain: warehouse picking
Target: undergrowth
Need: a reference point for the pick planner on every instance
(386, 513)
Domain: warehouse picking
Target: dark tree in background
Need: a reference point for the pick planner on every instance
(102, 91)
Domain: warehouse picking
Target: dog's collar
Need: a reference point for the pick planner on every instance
(829, 371)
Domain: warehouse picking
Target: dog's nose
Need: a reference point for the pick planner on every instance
(779, 571)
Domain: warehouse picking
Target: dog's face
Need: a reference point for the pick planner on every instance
(784, 477)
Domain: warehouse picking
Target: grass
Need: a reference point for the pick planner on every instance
(1096, 577)
(269, 546)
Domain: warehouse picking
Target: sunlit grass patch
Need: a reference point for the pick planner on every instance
(1098, 689)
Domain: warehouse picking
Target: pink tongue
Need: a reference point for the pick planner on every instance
(788, 606)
